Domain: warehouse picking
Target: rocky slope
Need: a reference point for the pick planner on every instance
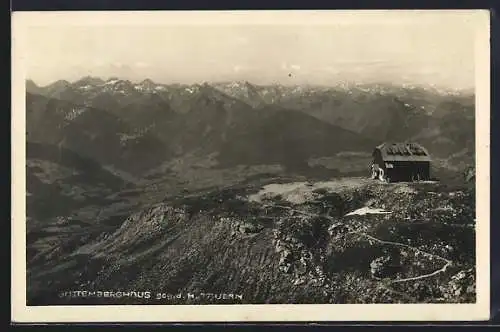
(92, 133)
(280, 243)
(59, 181)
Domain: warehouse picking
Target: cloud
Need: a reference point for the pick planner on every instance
(330, 69)
(240, 68)
(99, 63)
(286, 66)
(141, 64)
(117, 65)
(241, 40)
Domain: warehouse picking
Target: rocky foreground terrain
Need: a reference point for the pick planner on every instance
(270, 240)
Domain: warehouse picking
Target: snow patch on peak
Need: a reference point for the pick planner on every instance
(86, 87)
(74, 113)
(111, 81)
(192, 89)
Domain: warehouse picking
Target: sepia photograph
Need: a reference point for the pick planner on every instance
(314, 165)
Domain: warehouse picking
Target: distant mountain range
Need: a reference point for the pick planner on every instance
(134, 127)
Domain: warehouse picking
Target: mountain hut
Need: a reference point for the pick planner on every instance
(393, 162)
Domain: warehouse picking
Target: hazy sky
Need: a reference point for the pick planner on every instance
(436, 48)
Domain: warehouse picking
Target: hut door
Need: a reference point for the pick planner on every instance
(381, 174)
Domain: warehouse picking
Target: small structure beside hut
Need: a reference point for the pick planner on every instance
(394, 162)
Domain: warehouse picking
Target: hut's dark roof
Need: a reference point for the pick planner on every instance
(403, 152)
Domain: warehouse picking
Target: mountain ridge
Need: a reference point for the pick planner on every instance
(213, 123)
(343, 84)
(378, 111)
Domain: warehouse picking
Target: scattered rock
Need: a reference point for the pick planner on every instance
(462, 284)
(377, 266)
(248, 228)
(299, 281)
(405, 189)
(62, 220)
(242, 226)
(286, 268)
(337, 228)
(384, 266)
(470, 174)
(285, 257)
(301, 268)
